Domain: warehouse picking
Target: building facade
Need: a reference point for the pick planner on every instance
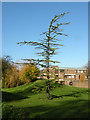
(66, 74)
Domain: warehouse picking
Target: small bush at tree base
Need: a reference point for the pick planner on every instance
(41, 86)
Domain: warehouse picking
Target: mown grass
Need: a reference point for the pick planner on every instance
(65, 101)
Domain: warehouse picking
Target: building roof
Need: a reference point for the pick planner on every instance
(69, 74)
(61, 80)
(71, 68)
(76, 68)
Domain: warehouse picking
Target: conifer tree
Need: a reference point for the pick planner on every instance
(48, 45)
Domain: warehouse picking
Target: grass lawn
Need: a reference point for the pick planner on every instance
(65, 101)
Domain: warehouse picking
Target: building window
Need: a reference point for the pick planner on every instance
(69, 76)
(81, 71)
(84, 71)
(85, 76)
(56, 71)
(72, 76)
(56, 75)
(65, 76)
(61, 70)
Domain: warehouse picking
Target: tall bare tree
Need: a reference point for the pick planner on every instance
(48, 45)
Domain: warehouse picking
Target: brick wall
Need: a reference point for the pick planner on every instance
(78, 83)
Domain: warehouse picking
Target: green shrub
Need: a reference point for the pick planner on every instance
(9, 112)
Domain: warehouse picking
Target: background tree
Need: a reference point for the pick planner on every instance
(11, 78)
(29, 73)
(6, 65)
(82, 77)
(10, 73)
(48, 45)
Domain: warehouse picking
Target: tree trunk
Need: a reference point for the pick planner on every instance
(48, 94)
(48, 85)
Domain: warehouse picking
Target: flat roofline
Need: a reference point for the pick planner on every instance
(69, 74)
(73, 68)
(78, 68)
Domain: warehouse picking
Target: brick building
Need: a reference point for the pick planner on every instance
(65, 74)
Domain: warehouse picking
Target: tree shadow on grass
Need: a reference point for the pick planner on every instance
(73, 94)
(66, 109)
(7, 96)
